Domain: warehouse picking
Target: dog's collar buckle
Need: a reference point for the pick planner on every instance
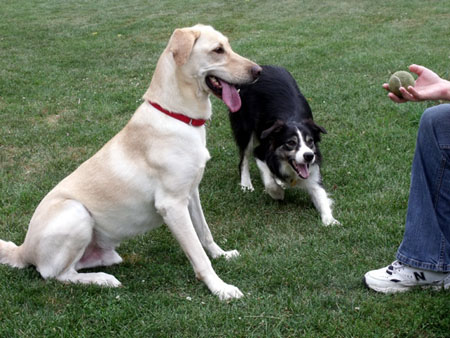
(180, 117)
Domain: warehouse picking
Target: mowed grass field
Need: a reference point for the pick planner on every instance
(73, 72)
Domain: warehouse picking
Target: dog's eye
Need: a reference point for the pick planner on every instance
(291, 144)
(219, 50)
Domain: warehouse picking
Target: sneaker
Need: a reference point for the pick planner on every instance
(398, 277)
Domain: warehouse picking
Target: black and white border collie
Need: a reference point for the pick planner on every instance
(276, 123)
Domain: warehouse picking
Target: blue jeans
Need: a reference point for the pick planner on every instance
(426, 242)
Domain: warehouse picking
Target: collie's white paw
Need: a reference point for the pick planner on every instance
(329, 221)
(247, 187)
(275, 191)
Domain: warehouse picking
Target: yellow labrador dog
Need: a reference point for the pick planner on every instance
(147, 175)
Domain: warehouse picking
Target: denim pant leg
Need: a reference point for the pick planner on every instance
(426, 242)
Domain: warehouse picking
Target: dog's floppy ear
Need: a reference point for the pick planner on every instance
(315, 127)
(181, 43)
(275, 128)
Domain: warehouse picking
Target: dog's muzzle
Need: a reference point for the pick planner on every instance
(302, 169)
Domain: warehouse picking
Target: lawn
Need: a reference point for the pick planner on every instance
(73, 72)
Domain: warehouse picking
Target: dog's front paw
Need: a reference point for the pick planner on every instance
(248, 187)
(280, 183)
(330, 221)
(230, 254)
(227, 292)
(275, 191)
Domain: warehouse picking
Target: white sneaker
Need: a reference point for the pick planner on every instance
(399, 278)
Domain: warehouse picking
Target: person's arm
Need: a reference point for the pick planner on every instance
(428, 86)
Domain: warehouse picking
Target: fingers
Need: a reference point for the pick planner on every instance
(417, 69)
(414, 94)
(395, 98)
(410, 94)
(392, 96)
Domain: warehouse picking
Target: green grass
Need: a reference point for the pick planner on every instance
(71, 75)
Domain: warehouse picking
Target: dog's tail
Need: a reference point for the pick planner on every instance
(11, 254)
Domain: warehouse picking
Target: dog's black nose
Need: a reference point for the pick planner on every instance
(308, 157)
(256, 71)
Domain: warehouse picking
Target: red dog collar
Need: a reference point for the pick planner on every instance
(181, 117)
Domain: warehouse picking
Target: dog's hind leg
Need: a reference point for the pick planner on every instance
(57, 240)
(246, 182)
(244, 137)
(203, 232)
(176, 215)
(275, 190)
(97, 255)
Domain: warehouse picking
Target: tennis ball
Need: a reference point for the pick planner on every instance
(400, 79)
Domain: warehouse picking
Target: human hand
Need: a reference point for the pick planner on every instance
(428, 86)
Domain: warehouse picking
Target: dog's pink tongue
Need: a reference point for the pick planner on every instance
(303, 170)
(230, 96)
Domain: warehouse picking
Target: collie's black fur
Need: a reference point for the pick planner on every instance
(276, 122)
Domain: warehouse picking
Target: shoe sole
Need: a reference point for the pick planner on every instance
(400, 289)
(386, 290)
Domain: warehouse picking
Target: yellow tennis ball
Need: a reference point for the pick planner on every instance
(400, 79)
